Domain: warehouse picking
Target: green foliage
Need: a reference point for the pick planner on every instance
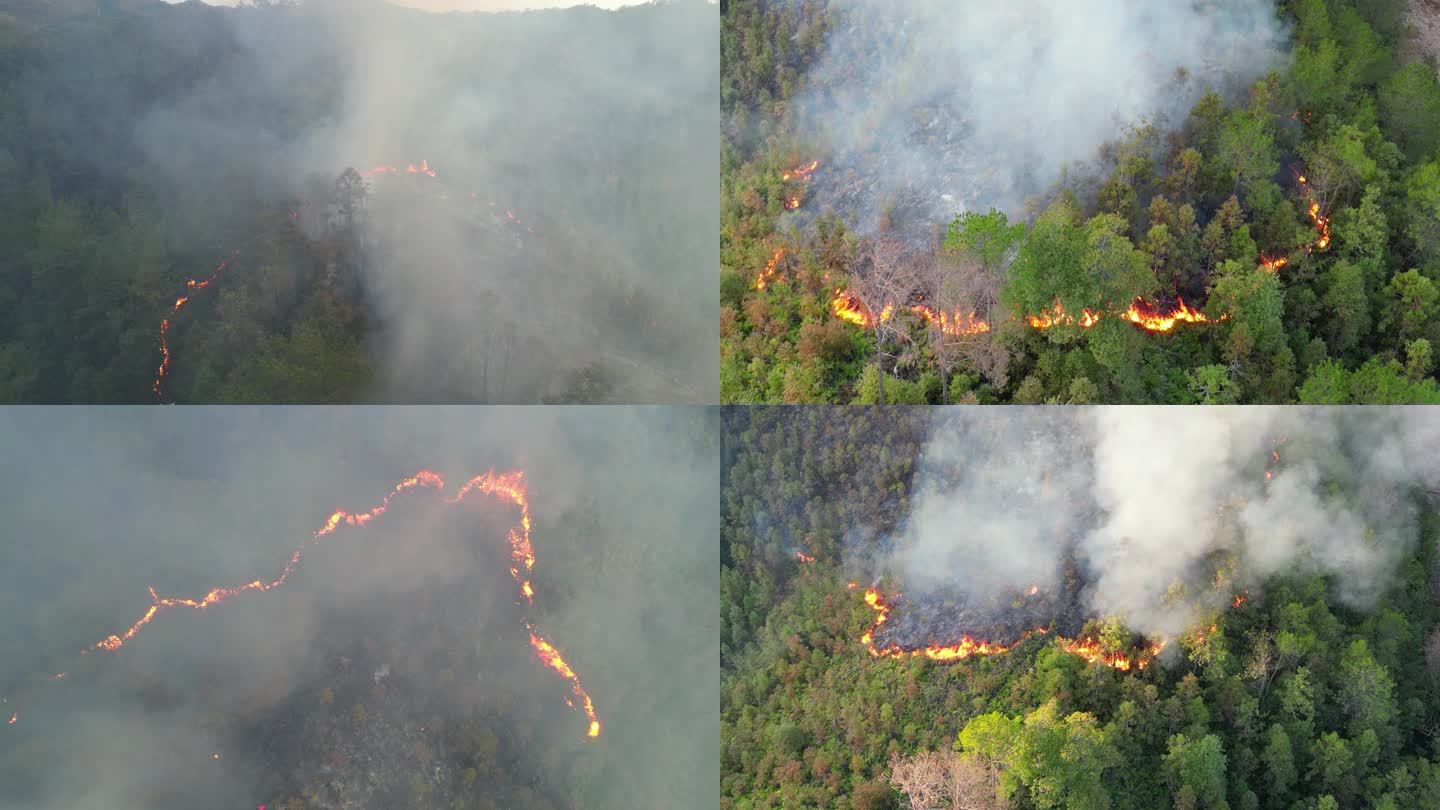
(1057, 762)
(1294, 700)
(1352, 112)
(140, 145)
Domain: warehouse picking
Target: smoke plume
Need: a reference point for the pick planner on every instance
(947, 108)
(1165, 513)
(395, 658)
(556, 248)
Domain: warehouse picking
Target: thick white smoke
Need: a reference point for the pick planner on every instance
(980, 104)
(1168, 512)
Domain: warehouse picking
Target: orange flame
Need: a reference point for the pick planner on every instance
(509, 487)
(955, 323)
(1273, 265)
(423, 168)
(968, 646)
(848, 308)
(803, 557)
(193, 286)
(1059, 317)
(1150, 320)
(1238, 600)
(1321, 221)
(1141, 313)
(551, 658)
(801, 172)
(770, 268)
(1090, 650)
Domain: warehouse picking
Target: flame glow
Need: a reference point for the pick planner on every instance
(192, 286)
(423, 168)
(768, 273)
(1147, 316)
(1090, 650)
(506, 487)
(802, 172)
(968, 646)
(1273, 265)
(964, 648)
(803, 557)
(957, 323)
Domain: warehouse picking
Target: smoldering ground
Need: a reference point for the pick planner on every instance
(932, 108)
(413, 617)
(1163, 514)
(597, 131)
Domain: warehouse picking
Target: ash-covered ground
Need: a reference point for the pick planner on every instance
(944, 615)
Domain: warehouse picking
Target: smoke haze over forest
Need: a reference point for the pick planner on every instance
(988, 106)
(395, 662)
(1167, 513)
(552, 245)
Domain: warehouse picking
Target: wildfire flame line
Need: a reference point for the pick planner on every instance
(192, 287)
(763, 280)
(1322, 230)
(801, 173)
(967, 646)
(1148, 317)
(507, 487)
(423, 168)
(1088, 648)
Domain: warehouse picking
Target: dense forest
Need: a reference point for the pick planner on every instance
(1290, 700)
(395, 668)
(1279, 243)
(354, 202)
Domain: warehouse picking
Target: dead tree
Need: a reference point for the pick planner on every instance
(882, 280)
(946, 780)
(963, 298)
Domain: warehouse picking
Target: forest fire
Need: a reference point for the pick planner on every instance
(551, 658)
(1273, 265)
(1059, 317)
(848, 308)
(1091, 651)
(956, 324)
(507, 487)
(192, 286)
(964, 648)
(968, 646)
(1321, 221)
(1143, 314)
(423, 168)
(803, 557)
(768, 273)
(801, 172)
(1150, 319)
